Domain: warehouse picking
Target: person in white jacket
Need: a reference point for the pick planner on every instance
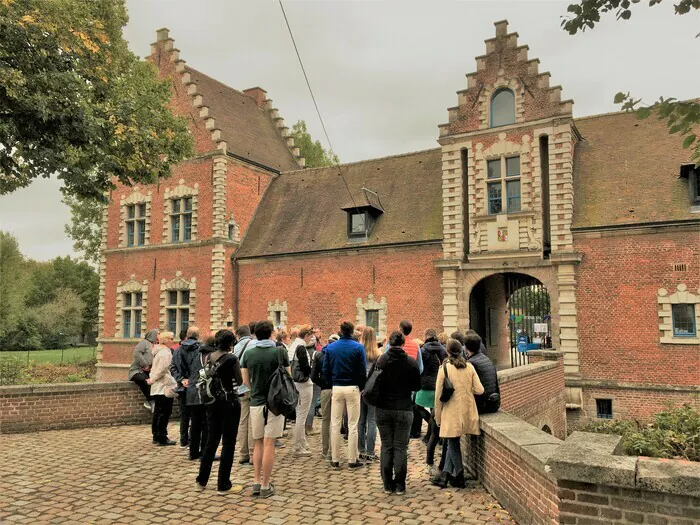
(162, 385)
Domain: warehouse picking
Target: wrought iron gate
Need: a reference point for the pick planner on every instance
(529, 317)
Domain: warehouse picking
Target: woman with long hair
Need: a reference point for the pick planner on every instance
(458, 415)
(367, 426)
(224, 413)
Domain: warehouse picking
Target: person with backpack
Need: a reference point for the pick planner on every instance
(326, 396)
(433, 354)
(399, 378)
(245, 431)
(259, 364)
(301, 370)
(218, 390)
(185, 369)
(345, 367)
(455, 411)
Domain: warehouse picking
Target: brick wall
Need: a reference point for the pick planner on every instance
(591, 503)
(63, 406)
(332, 283)
(536, 393)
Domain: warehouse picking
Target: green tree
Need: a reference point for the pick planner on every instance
(315, 154)
(681, 117)
(50, 279)
(59, 319)
(74, 101)
(13, 283)
(85, 227)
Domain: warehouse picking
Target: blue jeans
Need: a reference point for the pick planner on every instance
(367, 429)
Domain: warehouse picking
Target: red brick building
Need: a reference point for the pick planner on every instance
(534, 228)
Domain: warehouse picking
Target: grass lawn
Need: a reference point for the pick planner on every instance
(70, 355)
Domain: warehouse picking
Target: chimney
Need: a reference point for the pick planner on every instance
(162, 34)
(258, 94)
(501, 28)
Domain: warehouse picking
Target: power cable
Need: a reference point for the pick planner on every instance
(318, 111)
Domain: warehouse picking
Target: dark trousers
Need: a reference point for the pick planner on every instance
(433, 442)
(161, 416)
(184, 421)
(222, 423)
(417, 421)
(198, 430)
(140, 380)
(394, 426)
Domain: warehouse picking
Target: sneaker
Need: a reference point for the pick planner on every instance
(166, 443)
(388, 490)
(256, 489)
(198, 486)
(301, 452)
(245, 461)
(326, 455)
(362, 456)
(279, 444)
(440, 480)
(146, 405)
(235, 489)
(184, 446)
(355, 465)
(400, 491)
(154, 441)
(371, 457)
(335, 465)
(266, 493)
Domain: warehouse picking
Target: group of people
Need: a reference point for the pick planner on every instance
(222, 384)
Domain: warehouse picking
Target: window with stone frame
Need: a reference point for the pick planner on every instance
(181, 219)
(371, 312)
(277, 313)
(503, 185)
(135, 224)
(178, 310)
(132, 314)
(372, 319)
(679, 315)
(502, 110)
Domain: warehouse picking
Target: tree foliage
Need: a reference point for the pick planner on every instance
(76, 102)
(315, 154)
(13, 283)
(85, 227)
(59, 319)
(682, 117)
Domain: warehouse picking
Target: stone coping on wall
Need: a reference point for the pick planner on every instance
(513, 374)
(69, 388)
(590, 458)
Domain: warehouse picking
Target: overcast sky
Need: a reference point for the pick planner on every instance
(384, 72)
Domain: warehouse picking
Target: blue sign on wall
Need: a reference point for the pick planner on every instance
(522, 343)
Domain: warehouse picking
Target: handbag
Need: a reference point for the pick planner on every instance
(371, 394)
(447, 387)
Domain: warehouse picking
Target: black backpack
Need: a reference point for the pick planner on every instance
(282, 395)
(209, 386)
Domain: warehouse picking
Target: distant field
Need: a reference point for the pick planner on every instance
(70, 355)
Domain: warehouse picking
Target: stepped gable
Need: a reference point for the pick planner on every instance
(505, 65)
(241, 123)
(302, 210)
(618, 162)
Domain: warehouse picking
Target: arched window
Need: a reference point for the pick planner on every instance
(502, 108)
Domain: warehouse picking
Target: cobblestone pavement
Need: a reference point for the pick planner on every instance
(115, 475)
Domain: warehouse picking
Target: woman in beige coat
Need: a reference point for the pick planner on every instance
(162, 384)
(458, 416)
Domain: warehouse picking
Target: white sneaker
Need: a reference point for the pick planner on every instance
(301, 452)
(146, 405)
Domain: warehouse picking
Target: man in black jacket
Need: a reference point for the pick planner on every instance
(490, 400)
(319, 379)
(185, 367)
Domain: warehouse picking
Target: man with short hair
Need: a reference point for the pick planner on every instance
(258, 365)
(345, 368)
(245, 431)
(185, 369)
(490, 400)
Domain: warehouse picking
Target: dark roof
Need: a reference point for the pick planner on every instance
(301, 210)
(626, 171)
(365, 198)
(248, 130)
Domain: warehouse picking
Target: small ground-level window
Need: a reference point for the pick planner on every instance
(278, 319)
(603, 408)
(683, 318)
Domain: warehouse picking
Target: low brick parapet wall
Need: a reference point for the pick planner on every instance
(29, 408)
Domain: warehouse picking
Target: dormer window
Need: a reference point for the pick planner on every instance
(502, 108)
(363, 212)
(692, 173)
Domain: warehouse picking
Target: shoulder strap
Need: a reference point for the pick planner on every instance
(444, 368)
(244, 348)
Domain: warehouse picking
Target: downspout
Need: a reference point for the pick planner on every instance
(234, 262)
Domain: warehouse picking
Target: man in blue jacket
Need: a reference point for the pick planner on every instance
(345, 368)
